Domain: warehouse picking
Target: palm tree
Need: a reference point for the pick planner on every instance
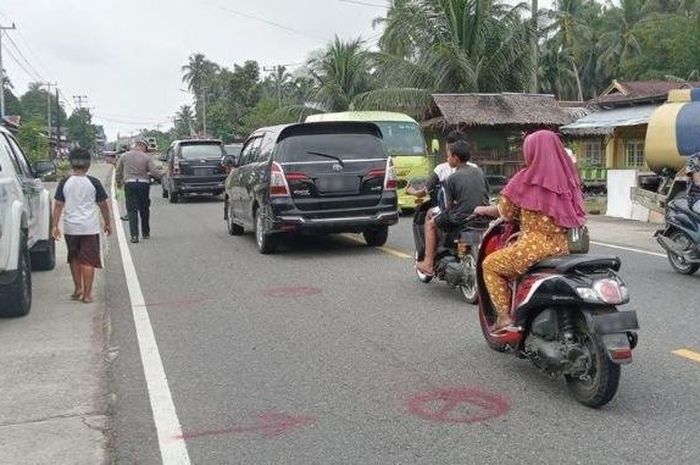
(341, 73)
(433, 46)
(280, 81)
(183, 121)
(619, 42)
(199, 74)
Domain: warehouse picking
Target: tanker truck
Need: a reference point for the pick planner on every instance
(673, 134)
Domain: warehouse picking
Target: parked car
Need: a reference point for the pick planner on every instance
(330, 177)
(26, 244)
(193, 167)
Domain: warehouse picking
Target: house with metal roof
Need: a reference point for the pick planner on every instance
(612, 137)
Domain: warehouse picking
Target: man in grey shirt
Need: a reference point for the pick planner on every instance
(134, 171)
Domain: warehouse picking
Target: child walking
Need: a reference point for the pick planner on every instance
(77, 198)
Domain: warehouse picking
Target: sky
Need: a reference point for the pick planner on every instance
(126, 55)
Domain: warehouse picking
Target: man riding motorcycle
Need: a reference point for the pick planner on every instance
(465, 189)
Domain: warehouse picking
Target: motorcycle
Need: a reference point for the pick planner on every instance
(681, 237)
(455, 260)
(566, 319)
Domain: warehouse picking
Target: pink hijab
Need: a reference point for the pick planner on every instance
(550, 183)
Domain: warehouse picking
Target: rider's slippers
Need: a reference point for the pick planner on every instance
(423, 271)
(505, 330)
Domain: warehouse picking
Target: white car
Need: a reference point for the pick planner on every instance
(25, 226)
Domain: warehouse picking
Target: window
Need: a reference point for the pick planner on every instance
(634, 153)
(346, 146)
(201, 151)
(24, 167)
(402, 139)
(593, 153)
(250, 151)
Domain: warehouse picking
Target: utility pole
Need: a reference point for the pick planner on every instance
(79, 99)
(204, 110)
(58, 124)
(48, 107)
(534, 10)
(2, 70)
(279, 74)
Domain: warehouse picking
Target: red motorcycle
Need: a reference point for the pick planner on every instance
(566, 316)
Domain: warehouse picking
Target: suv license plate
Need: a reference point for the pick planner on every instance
(202, 171)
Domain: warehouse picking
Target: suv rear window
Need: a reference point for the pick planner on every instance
(200, 151)
(346, 146)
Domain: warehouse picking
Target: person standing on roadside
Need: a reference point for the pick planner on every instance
(134, 171)
(77, 198)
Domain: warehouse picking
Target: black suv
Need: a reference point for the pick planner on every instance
(193, 167)
(312, 177)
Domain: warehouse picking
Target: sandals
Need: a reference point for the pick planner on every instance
(504, 327)
(422, 270)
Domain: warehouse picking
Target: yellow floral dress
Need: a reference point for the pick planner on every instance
(541, 238)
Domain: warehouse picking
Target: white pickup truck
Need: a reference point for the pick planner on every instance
(25, 226)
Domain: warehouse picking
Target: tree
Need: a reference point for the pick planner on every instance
(668, 46)
(184, 122)
(433, 46)
(199, 74)
(33, 141)
(619, 41)
(341, 73)
(80, 128)
(34, 105)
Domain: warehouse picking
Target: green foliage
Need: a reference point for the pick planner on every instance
(34, 106)
(669, 46)
(80, 128)
(33, 141)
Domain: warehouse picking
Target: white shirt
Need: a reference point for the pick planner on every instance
(81, 194)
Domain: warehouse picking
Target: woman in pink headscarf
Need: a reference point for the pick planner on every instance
(546, 198)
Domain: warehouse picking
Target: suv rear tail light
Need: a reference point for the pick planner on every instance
(278, 183)
(297, 177)
(390, 179)
(176, 167)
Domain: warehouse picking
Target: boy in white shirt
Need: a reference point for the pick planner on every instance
(77, 198)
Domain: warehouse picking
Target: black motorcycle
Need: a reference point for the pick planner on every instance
(455, 261)
(681, 237)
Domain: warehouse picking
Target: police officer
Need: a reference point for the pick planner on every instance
(134, 171)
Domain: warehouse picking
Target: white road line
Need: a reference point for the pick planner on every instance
(173, 449)
(629, 249)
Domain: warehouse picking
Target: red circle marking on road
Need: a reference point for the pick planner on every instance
(292, 291)
(463, 404)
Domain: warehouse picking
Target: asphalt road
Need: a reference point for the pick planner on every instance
(331, 352)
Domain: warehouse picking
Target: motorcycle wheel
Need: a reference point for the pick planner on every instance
(424, 278)
(603, 376)
(470, 292)
(677, 262)
(485, 325)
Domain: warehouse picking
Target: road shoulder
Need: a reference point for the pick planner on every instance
(55, 402)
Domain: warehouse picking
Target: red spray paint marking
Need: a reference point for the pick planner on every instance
(271, 425)
(294, 291)
(180, 302)
(458, 405)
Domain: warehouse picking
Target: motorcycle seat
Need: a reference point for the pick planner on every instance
(567, 263)
(682, 205)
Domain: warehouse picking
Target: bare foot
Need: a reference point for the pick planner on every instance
(87, 299)
(77, 295)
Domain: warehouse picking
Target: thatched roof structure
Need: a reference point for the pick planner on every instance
(507, 109)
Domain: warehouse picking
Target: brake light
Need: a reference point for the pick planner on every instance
(299, 177)
(610, 291)
(375, 173)
(390, 179)
(176, 167)
(278, 183)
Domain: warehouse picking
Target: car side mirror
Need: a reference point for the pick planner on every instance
(44, 168)
(435, 146)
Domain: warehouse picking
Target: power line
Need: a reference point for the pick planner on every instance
(359, 2)
(263, 20)
(17, 49)
(21, 65)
